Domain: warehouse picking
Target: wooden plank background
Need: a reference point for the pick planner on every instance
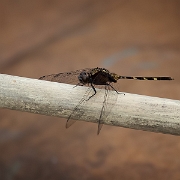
(127, 37)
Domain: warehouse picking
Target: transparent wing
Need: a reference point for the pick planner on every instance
(79, 109)
(66, 77)
(100, 120)
(110, 98)
(70, 78)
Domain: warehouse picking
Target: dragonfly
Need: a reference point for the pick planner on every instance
(93, 77)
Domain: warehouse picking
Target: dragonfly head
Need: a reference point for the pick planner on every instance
(83, 77)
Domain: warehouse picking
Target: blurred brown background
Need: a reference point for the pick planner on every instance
(127, 37)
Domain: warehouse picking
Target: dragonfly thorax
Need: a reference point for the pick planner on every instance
(97, 76)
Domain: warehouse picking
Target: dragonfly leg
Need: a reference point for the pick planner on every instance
(114, 89)
(79, 84)
(94, 92)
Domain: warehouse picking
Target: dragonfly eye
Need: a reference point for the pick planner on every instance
(83, 77)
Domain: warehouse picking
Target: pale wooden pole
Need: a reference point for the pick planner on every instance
(56, 99)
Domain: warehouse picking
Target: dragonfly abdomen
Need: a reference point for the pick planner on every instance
(146, 78)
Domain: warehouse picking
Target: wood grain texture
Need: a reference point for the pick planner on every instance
(56, 99)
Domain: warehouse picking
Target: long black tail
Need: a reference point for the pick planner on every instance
(146, 78)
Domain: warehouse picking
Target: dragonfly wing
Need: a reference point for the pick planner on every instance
(79, 109)
(99, 127)
(110, 98)
(70, 78)
(69, 122)
(66, 77)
